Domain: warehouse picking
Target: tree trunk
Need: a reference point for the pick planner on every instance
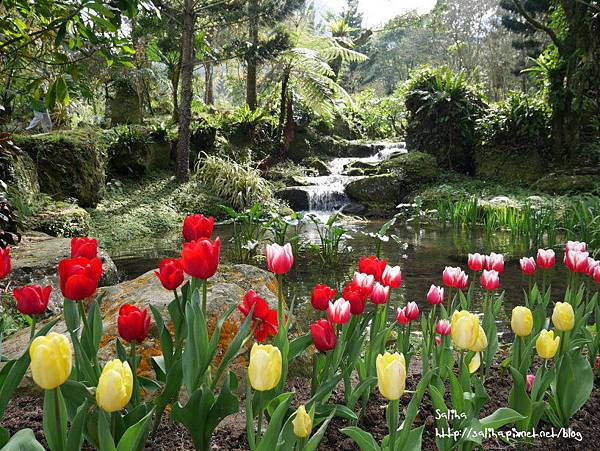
(209, 98)
(187, 71)
(251, 60)
(283, 102)
(289, 126)
(175, 90)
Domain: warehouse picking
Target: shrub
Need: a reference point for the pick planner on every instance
(240, 184)
(443, 109)
(128, 148)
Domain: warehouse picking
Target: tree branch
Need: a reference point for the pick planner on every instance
(537, 24)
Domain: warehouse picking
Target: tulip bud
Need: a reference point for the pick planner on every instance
(495, 262)
(322, 295)
(302, 423)
(527, 265)
(576, 261)
(481, 342)
(546, 258)
(392, 276)
(490, 280)
(200, 258)
(475, 363)
(592, 264)
(530, 381)
(84, 247)
(133, 324)
(563, 317)
(379, 294)
(372, 266)
(323, 335)
(411, 311)
(197, 227)
(455, 277)
(4, 262)
(339, 311)
(546, 345)
(170, 273)
(356, 296)
(401, 316)
(264, 369)
(521, 321)
(438, 340)
(464, 329)
(476, 262)
(443, 327)
(364, 281)
(115, 386)
(391, 375)
(79, 277)
(279, 258)
(435, 295)
(576, 246)
(33, 299)
(51, 360)
(596, 274)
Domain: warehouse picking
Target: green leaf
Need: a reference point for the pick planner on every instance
(414, 441)
(269, 439)
(105, 439)
(134, 437)
(413, 409)
(55, 419)
(298, 345)
(314, 441)
(76, 432)
(574, 383)
(23, 440)
(501, 417)
(363, 439)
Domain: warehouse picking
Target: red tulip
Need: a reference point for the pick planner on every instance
(476, 262)
(356, 296)
(170, 273)
(84, 247)
(33, 299)
(546, 258)
(455, 277)
(401, 316)
(197, 227)
(321, 296)
(200, 258)
(133, 323)
(495, 262)
(379, 294)
(280, 258)
(527, 265)
(443, 327)
(438, 340)
(364, 281)
(576, 261)
(79, 277)
(372, 266)
(392, 276)
(339, 311)
(411, 310)
(575, 246)
(596, 274)
(530, 381)
(435, 295)
(264, 319)
(490, 280)
(4, 262)
(323, 335)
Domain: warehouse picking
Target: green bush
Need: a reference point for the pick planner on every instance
(128, 148)
(443, 109)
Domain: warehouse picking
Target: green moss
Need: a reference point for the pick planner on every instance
(18, 171)
(59, 219)
(69, 164)
(569, 184)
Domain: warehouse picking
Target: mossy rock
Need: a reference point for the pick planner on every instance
(360, 168)
(383, 188)
(18, 171)
(318, 165)
(133, 150)
(560, 184)
(69, 164)
(519, 165)
(125, 106)
(61, 219)
(415, 168)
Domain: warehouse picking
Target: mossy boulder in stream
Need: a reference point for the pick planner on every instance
(399, 176)
(69, 164)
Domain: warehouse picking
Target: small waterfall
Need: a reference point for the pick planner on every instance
(326, 193)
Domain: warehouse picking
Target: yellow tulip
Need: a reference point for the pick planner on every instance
(264, 370)
(563, 317)
(464, 329)
(391, 375)
(521, 321)
(546, 345)
(481, 342)
(302, 423)
(51, 360)
(115, 386)
(475, 363)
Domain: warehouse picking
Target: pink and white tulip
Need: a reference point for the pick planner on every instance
(379, 294)
(528, 266)
(455, 277)
(495, 262)
(476, 262)
(339, 311)
(392, 276)
(490, 280)
(435, 295)
(546, 258)
(411, 310)
(364, 281)
(443, 327)
(576, 261)
(530, 381)
(279, 258)
(580, 246)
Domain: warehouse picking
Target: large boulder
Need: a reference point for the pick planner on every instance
(521, 165)
(134, 150)
(60, 219)
(297, 197)
(560, 184)
(35, 261)
(69, 164)
(125, 106)
(18, 171)
(355, 168)
(225, 290)
(382, 188)
(318, 165)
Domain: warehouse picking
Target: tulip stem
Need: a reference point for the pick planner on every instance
(393, 414)
(204, 295)
(83, 316)
(260, 415)
(280, 315)
(33, 321)
(133, 362)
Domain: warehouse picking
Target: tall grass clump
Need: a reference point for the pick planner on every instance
(239, 184)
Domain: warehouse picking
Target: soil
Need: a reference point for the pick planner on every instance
(25, 411)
